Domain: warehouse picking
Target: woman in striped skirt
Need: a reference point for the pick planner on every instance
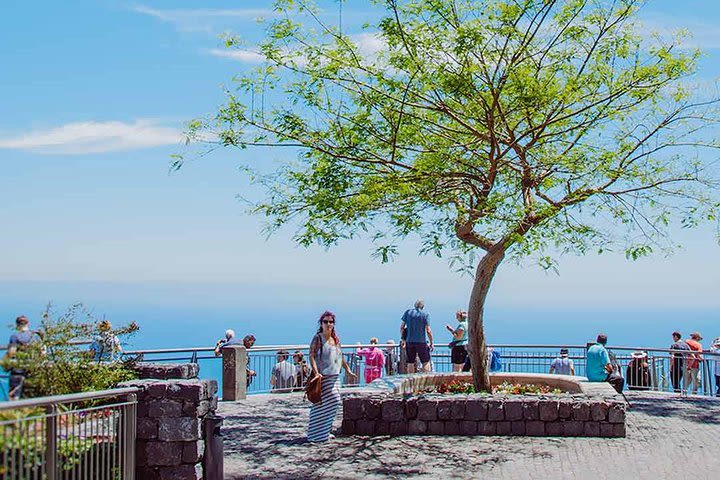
(326, 360)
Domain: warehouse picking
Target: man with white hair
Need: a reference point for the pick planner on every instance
(415, 330)
(228, 340)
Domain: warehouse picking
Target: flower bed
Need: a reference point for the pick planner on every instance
(458, 386)
(393, 407)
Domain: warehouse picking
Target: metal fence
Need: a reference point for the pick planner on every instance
(648, 369)
(84, 436)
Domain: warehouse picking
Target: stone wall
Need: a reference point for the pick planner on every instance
(170, 416)
(561, 415)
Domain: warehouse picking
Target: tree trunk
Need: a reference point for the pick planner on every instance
(476, 334)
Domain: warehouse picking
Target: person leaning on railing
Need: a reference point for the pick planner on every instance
(230, 339)
(715, 348)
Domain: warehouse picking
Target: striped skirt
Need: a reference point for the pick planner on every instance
(322, 414)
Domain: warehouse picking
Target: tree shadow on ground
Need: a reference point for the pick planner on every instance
(694, 409)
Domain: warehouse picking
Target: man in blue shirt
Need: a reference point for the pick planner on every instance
(415, 330)
(598, 366)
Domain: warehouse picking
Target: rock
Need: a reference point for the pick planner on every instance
(581, 411)
(549, 410)
(163, 453)
(427, 409)
(393, 410)
(476, 409)
(193, 452)
(183, 429)
(535, 428)
(513, 410)
(531, 410)
(495, 411)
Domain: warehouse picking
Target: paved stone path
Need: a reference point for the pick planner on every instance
(667, 438)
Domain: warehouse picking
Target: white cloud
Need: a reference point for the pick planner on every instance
(244, 56)
(200, 19)
(95, 137)
(703, 35)
(369, 44)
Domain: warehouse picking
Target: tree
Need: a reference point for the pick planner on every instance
(488, 128)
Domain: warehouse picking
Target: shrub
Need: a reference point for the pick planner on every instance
(61, 362)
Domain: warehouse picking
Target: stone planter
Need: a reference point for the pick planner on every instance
(389, 407)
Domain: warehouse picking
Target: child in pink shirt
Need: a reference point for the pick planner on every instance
(374, 360)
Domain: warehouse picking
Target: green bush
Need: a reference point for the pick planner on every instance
(61, 362)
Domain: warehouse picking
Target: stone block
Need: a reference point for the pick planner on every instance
(444, 409)
(398, 428)
(554, 429)
(618, 429)
(192, 390)
(549, 410)
(164, 408)
(353, 408)
(606, 429)
(581, 411)
(503, 428)
(382, 427)
(488, 428)
(427, 409)
(211, 387)
(183, 429)
(468, 427)
(141, 453)
(458, 408)
(163, 453)
(372, 408)
(365, 427)
(513, 409)
(565, 410)
(598, 411)
(147, 428)
(157, 389)
(147, 473)
(573, 428)
(616, 413)
(411, 408)
(167, 371)
(452, 427)
(348, 427)
(531, 410)
(417, 427)
(192, 409)
(592, 429)
(495, 412)
(518, 428)
(476, 409)
(436, 427)
(181, 472)
(193, 452)
(535, 428)
(393, 410)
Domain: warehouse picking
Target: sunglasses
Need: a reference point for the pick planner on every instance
(328, 322)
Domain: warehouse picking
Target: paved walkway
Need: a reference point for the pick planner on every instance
(667, 438)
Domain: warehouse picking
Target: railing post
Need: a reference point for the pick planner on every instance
(129, 430)
(51, 442)
(234, 379)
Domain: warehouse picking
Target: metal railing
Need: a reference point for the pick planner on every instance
(655, 372)
(84, 436)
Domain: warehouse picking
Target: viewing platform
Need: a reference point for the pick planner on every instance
(668, 436)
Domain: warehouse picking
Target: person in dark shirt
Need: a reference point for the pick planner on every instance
(677, 361)
(415, 327)
(18, 342)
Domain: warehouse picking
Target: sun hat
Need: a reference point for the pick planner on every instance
(696, 335)
(564, 352)
(716, 341)
(639, 354)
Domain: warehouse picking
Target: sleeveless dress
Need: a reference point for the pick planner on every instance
(329, 362)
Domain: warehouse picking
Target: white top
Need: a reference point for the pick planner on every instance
(329, 358)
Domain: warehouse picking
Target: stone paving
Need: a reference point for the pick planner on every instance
(668, 437)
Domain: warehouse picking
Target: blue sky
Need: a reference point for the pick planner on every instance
(93, 96)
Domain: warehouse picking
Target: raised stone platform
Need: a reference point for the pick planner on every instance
(391, 406)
